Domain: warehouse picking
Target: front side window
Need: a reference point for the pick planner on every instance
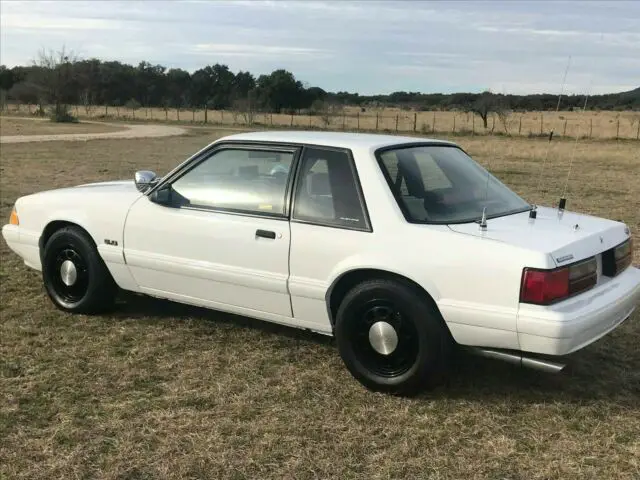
(243, 180)
(327, 191)
(442, 184)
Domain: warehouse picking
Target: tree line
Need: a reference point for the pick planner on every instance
(60, 79)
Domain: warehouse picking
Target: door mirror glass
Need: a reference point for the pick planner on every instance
(143, 179)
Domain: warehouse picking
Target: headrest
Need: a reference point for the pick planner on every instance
(319, 184)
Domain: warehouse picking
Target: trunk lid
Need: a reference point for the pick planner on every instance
(566, 236)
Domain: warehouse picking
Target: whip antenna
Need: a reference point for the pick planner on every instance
(563, 199)
(483, 220)
(546, 154)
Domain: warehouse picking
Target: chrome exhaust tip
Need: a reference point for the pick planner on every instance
(519, 358)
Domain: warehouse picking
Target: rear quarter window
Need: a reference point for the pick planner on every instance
(327, 192)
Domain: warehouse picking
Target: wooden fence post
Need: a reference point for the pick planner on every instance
(520, 126)
(221, 116)
(638, 132)
(415, 121)
(618, 129)
(178, 113)
(271, 119)
(564, 131)
(291, 120)
(343, 120)
(541, 123)
(433, 126)
(397, 122)
(106, 110)
(454, 123)
(376, 121)
(193, 115)
(473, 124)
(358, 117)
(590, 127)
(206, 117)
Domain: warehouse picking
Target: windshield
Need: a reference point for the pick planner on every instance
(442, 184)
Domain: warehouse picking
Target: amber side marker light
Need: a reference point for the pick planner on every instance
(13, 219)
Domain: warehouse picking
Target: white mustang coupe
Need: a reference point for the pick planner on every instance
(400, 247)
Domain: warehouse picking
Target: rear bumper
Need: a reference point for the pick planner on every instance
(24, 244)
(573, 324)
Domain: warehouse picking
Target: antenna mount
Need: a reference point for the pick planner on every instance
(562, 203)
(483, 220)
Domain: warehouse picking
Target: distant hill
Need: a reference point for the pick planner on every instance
(629, 100)
(619, 101)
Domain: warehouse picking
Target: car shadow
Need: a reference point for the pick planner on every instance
(594, 374)
(146, 308)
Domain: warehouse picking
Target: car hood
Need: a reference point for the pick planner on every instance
(566, 236)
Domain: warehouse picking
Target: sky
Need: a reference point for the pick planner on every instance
(367, 46)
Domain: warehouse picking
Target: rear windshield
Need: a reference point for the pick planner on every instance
(442, 184)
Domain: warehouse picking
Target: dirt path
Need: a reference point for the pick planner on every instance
(130, 131)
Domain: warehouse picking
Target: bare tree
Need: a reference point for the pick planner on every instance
(326, 110)
(247, 107)
(486, 104)
(503, 116)
(86, 98)
(133, 105)
(54, 74)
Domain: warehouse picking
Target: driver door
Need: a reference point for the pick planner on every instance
(221, 238)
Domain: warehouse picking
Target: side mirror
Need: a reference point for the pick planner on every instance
(161, 196)
(143, 179)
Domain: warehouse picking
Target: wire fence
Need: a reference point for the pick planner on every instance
(585, 124)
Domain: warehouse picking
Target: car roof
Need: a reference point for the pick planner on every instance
(333, 139)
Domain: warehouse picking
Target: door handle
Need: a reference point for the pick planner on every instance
(266, 234)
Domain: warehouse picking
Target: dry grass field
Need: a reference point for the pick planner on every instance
(599, 124)
(157, 390)
(21, 126)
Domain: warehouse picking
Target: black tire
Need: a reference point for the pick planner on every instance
(93, 290)
(424, 344)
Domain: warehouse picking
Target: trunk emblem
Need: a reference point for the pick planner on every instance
(564, 259)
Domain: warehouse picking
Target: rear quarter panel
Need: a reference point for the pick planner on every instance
(475, 282)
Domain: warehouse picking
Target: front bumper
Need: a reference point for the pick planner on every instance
(24, 244)
(575, 323)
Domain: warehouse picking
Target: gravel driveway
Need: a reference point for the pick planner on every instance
(131, 131)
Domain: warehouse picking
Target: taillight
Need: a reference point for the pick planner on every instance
(544, 287)
(617, 258)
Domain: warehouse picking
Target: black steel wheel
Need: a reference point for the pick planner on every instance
(391, 338)
(75, 277)
(72, 280)
(385, 340)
